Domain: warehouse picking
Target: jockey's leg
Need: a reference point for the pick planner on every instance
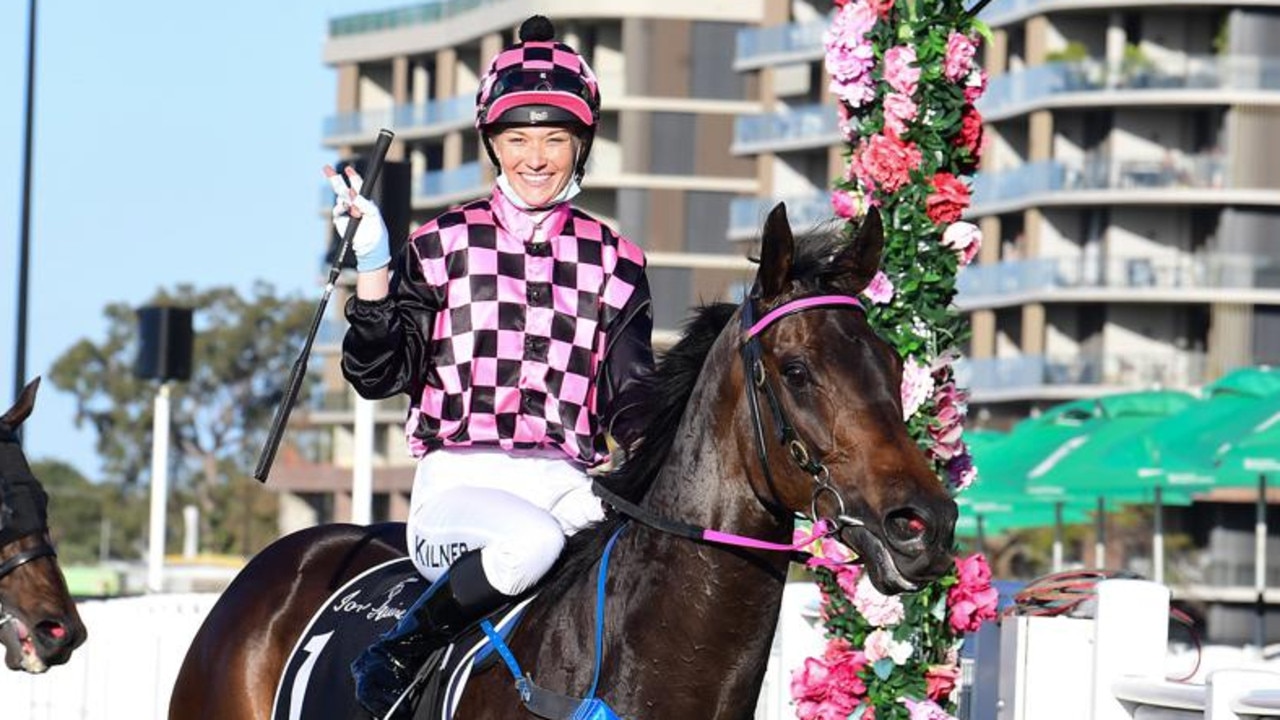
(507, 544)
(460, 597)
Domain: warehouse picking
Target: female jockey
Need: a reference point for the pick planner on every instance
(514, 323)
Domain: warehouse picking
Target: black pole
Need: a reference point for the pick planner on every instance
(1260, 566)
(24, 233)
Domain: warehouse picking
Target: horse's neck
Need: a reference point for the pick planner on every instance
(718, 604)
(688, 624)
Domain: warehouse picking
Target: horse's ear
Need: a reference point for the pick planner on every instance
(776, 246)
(858, 262)
(22, 408)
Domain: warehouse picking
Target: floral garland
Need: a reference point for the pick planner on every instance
(906, 76)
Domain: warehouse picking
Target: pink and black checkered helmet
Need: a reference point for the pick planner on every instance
(539, 81)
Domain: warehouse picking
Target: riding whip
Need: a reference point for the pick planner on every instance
(268, 454)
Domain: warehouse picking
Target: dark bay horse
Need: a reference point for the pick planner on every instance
(39, 625)
(689, 623)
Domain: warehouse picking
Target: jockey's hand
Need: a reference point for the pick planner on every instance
(371, 243)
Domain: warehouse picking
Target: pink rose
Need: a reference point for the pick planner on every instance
(880, 610)
(846, 204)
(948, 200)
(847, 578)
(926, 710)
(975, 85)
(880, 290)
(959, 57)
(917, 385)
(900, 70)
(881, 7)
(885, 163)
(940, 681)
(899, 109)
(965, 239)
(850, 56)
(829, 688)
(971, 601)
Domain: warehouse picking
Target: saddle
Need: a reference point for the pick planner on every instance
(317, 681)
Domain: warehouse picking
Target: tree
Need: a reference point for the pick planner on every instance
(244, 349)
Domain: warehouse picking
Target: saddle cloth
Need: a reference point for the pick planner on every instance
(316, 682)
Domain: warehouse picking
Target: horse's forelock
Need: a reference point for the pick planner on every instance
(812, 269)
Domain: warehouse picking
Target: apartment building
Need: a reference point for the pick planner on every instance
(1129, 197)
(662, 172)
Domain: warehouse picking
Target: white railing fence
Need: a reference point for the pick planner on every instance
(1110, 667)
(124, 670)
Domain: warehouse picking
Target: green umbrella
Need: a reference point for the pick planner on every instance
(998, 500)
(1230, 408)
(1253, 460)
(1112, 456)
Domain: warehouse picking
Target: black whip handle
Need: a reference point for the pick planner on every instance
(268, 454)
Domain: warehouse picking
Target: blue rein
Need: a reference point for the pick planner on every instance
(551, 705)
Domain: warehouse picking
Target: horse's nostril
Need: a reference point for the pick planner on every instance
(54, 632)
(906, 524)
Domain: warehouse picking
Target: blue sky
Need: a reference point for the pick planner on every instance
(174, 142)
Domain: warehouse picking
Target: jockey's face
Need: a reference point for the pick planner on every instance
(538, 161)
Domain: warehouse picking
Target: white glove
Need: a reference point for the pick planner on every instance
(371, 244)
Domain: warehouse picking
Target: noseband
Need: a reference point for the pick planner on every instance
(788, 437)
(20, 515)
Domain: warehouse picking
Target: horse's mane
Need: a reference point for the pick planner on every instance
(660, 399)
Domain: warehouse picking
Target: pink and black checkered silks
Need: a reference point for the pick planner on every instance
(566, 80)
(528, 311)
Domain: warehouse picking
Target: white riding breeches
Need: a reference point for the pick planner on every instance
(517, 505)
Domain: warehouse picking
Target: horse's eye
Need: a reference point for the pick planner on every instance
(796, 374)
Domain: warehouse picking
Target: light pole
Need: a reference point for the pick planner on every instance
(24, 234)
(159, 489)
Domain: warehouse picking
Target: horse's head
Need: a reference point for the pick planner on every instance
(39, 625)
(826, 412)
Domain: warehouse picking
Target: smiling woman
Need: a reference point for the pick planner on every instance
(39, 625)
(537, 162)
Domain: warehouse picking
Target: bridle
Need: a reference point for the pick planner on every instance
(752, 356)
(788, 437)
(18, 519)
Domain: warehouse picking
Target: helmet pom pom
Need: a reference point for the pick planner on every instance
(537, 29)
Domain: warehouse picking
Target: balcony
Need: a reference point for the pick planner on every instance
(805, 213)
(413, 120)
(1096, 178)
(398, 18)
(1190, 278)
(801, 128)
(779, 45)
(443, 187)
(995, 379)
(1090, 83)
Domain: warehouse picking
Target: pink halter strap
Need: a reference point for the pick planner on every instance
(798, 305)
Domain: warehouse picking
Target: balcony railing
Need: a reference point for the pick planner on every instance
(1197, 72)
(466, 178)
(806, 126)
(457, 110)
(423, 14)
(1100, 173)
(1173, 369)
(757, 47)
(1217, 271)
(746, 215)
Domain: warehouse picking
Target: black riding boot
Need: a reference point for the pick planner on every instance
(462, 596)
